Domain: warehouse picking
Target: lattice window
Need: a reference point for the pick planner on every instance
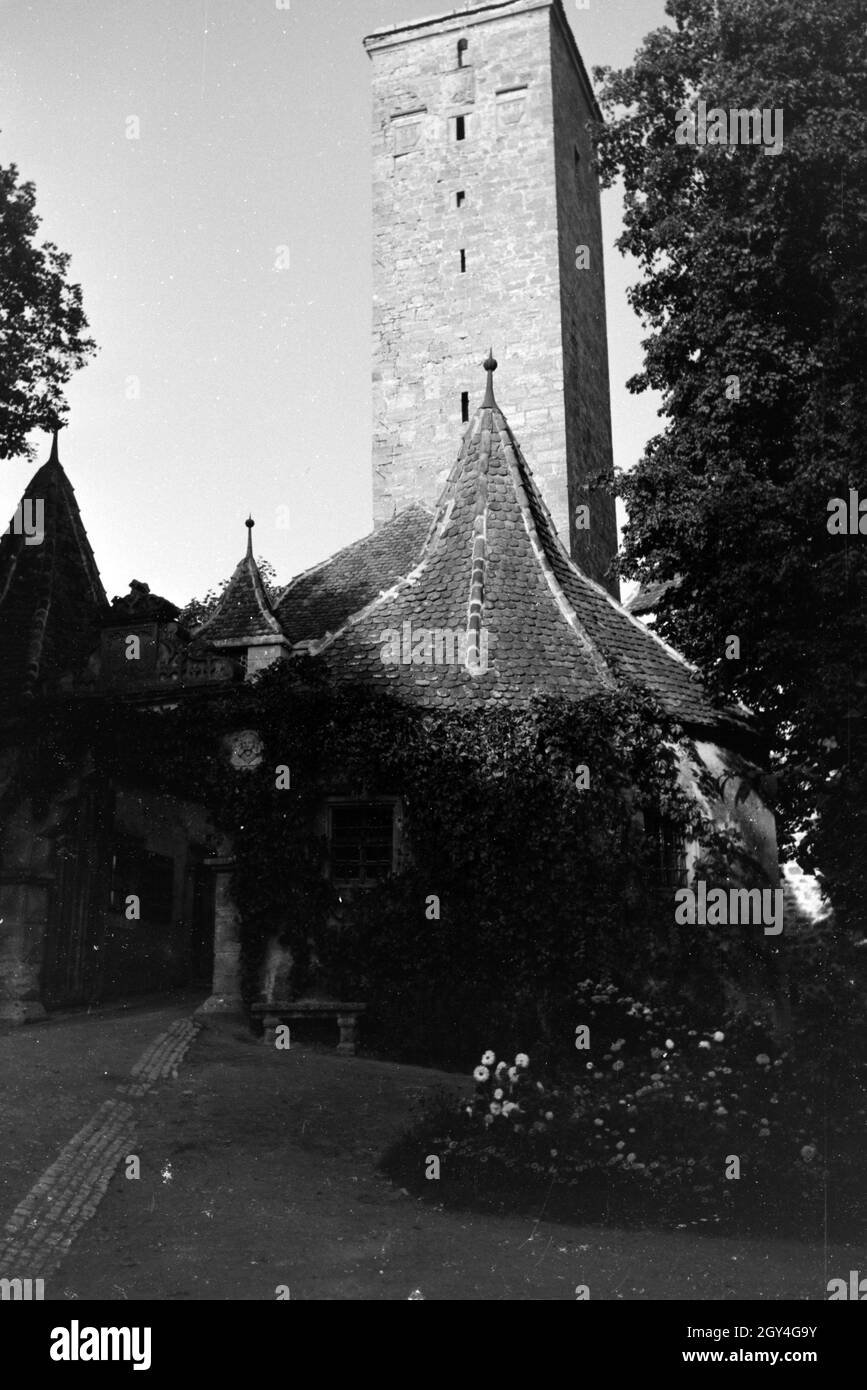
(361, 836)
(669, 849)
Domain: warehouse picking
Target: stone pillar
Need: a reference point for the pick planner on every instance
(23, 926)
(347, 1025)
(226, 988)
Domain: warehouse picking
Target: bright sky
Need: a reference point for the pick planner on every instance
(254, 382)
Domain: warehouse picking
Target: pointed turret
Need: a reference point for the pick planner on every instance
(244, 622)
(51, 595)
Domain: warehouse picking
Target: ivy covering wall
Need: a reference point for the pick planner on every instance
(521, 874)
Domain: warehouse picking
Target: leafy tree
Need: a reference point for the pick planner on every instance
(753, 287)
(42, 322)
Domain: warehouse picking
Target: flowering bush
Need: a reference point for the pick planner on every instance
(651, 1115)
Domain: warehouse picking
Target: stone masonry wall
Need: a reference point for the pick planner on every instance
(433, 323)
(585, 340)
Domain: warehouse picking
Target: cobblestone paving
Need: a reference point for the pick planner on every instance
(43, 1226)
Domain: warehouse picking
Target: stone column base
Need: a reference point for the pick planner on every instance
(222, 1004)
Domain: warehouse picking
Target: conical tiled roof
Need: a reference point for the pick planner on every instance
(494, 571)
(51, 595)
(244, 614)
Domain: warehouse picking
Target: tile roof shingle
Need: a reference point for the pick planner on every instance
(322, 598)
(493, 568)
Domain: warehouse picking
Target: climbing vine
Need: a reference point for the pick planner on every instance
(525, 864)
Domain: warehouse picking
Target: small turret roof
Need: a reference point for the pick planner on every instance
(244, 614)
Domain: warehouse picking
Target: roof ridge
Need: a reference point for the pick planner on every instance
(344, 549)
(524, 483)
(585, 578)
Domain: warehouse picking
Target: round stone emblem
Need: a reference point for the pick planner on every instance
(245, 749)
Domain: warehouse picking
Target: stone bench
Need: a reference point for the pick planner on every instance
(279, 1011)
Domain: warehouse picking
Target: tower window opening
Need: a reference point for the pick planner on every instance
(460, 198)
(463, 262)
(460, 127)
(463, 45)
(577, 167)
(465, 407)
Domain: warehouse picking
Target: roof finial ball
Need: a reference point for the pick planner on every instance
(490, 366)
(249, 523)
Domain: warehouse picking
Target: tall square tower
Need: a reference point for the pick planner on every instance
(487, 230)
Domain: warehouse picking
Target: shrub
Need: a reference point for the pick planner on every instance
(647, 1122)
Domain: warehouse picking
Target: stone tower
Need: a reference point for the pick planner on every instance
(483, 190)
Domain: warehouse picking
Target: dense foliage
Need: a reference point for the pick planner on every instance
(42, 324)
(655, 1118)
(516, 879)
(753, 286)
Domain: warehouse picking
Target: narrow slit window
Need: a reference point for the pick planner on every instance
(577, 167)
(463, 45)
(465, 407)
(460, 198)
(463, 262)
(460, 127)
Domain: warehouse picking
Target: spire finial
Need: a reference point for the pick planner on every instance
(54, 456)
(249, 523)
(490, 366)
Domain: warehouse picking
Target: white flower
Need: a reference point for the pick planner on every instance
(513, 1073)
(718, 1037)
(704, 1044)
(501, 1067)
(498, 1095)
(721, 1110)
(763, 1133)
(763, 1059)
(669, 1044)
(553, 1153)
(469, 1110)
(509, 1106)
(618, 1066)
(488, 1059)
(598, 1122)
(630, 1158)
(539, 1086)
(522, 1060)
(481, 1074)
(549, 1114)
(489, 1119)
(808, 1153)
(620, 1144)
(495, 1107)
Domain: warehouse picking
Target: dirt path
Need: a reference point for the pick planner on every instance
(258, 1172)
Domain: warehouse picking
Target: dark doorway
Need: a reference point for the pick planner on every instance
(72, 971)
(202, 928)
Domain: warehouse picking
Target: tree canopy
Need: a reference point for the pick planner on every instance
(753, 287)
(43, 329)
